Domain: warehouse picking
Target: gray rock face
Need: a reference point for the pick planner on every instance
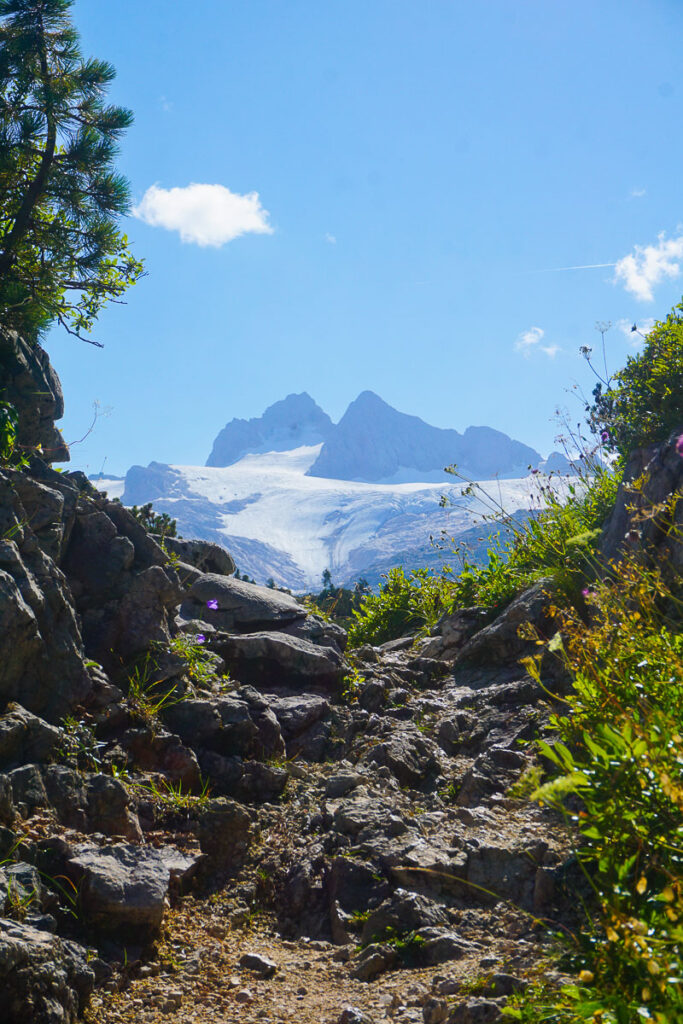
(25, 737)
(410, 756)
(44, 980)
(499, 643)
(43, 664)
(268, 660)
(296, 714)
(225, 834)
(123, 888)
(372, 961)
(242, 607)
(163, 752)
(33, 388)
(402, 912)
(627, 528)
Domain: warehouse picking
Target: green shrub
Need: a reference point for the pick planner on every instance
(404, 603)
(559, 541)
(159, 523)
(619, 751)
(643, 403)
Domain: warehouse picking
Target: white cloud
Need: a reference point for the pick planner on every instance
(638, 193)
(530, 341)
(642, 327)
(330, 238)
(648, 265)
(204, 214)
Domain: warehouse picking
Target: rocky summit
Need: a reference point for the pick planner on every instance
(208, 815)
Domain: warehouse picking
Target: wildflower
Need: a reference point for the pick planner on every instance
(604, 436)
(588, 594)
(200, 638)
(586, 977)
(212, 604)
(679, 445)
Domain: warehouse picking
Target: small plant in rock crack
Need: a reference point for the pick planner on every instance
(148, 696)
(406, 944)
(10, 452)
(200, 663)
(80, 749)
(18, 900)
(352, 684)
(173, 795)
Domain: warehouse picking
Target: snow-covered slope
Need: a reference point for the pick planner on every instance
(280, 522)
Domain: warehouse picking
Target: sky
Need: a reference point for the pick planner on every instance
(378, 194)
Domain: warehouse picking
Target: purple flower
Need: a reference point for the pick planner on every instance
(200, 638)
(679, 446)
(587, 593)
(212, 604)
(604, 436)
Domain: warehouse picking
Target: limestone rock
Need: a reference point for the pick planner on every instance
(123, 888)
(202, 555)
(242, 607)
(33, 388)
(661, 468)
(224, 833)
(25, 737)
(270, 660)
(44, 979)
(498, 643)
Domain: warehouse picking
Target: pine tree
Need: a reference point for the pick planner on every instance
(62, 256)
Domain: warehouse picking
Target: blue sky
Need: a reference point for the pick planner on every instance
(421, 168)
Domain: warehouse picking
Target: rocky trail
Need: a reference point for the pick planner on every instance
(395, 879)
(211, 811)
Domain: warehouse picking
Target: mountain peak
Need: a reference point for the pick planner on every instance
(289, 423)
(375, 442)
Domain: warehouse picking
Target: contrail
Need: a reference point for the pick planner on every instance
(588, 266)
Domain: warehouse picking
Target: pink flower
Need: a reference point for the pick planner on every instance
(679, 446)
(212, 604)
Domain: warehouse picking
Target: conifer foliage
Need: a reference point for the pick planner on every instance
(62, 255)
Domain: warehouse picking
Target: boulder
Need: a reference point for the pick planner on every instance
(499, 644)
(295, 714)
(242, 607)
(372, 961)
(224, 834)
(25, 737)
(163, 752)
(400, 913)
(222, 724)
(92, 803)
(201, 554)
(270, 660)
(411, 757)
(123, 888)
(44, 980)
(318, 631)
